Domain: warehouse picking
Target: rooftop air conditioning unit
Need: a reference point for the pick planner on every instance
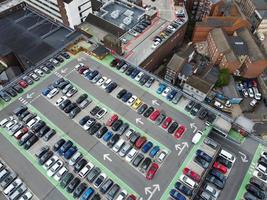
(127, 20)
(115, 14)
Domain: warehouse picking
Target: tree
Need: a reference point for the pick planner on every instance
(223, 78)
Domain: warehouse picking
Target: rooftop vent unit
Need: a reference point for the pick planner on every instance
(122, 26)
(115, 14)
(127, 20)
(128, 13)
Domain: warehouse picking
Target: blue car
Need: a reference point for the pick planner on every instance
(71, 151)
(111, 87)
(147, 147)
(177, 195)
(161, 88)
(87, 194)
(46, 91)
(154, 151)
(171, 95)
(126, 97)
(134, 73)
(65, 147)
(107, 136)
(203, 155)
(92, 75)
(84, 120)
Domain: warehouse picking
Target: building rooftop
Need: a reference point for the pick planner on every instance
(176, 63)
(31, 36)
(254, 52)
(260, 4)
(238, 45)
(200, 84)
(220, 39)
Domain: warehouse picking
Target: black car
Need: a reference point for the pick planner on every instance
(120, 64)
(65, 55)
(66, 179)
(59, 59)
(100, 179)
(11, 92)
(113, 192)
(142, 109)
(203, 163)
(79, 165)
(173, 127)
(96, 197)
(74, 112)
(57, 82)
(79, 190)
(189, 106)
(195, 109)
(42, 151)
(101, 132)
(258, 183)
(145, 164)
(202, 114)
(121, 93)
(29, 118)
(70, 107)
(84, 120)
(255, 191)
(148, 112)
(64, 104)
(24, 115)
(183, 188)
(106, 186)
(73, 184)
(116, 125)
(63, 84)
(94, 128)
(19, 110)
(95, 110)
(23, 140)
(30, 142)
(81, 98)
(17, 88)
(129, 71)
(126, 96)
(45, 157)
(37, 127)
(49, 135)
(225, 162)
(262, 161)
(43, 131)
(144, 79)
(93, 174)
(219, 184)
(65, 147)
(138, 159)
(58, 144)
(134, 137)
(113, 140)
(28, 80)
(111, 87)
(123, 128)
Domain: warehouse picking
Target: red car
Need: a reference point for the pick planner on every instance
(82, 69)
(191, 174)
(154, 115)
(112, 120)
(179, 131)
(131, 197)
(166, 122)
(23, 83)
(140, 142)
(220, 167)
(152, 171)
(21, 132)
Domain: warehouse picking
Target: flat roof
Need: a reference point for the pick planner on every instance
(31, 36)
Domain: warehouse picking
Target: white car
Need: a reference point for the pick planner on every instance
(139, 76)
(39, 72)
(106, 83)
(60, 173)
(262, 169)
(10, 124)
(253, 102)
(132, 153)
(101, 81)
(75, 158)
(60, 100)
(27, 196)
(260, 176)
(155, 45)
(50, 162)
(171, 28)
(197, 137)
(122, 195)
(12, 187)
(101, 178)
(101, 113)
(85, 71)
(33, 121)
(78, 66)
(4, 121)
(250, 93)
(71, 92)
(54, 61)
(166, 91)
(162, 155)
(131, 100)
(86, 169)
(56, 166)
(264, 155)
(118, 145)
(244, 92)
(52, 93)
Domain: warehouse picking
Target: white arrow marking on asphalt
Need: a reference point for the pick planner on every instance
(138, 120)
(63, 71)
(29, 96)
(151, 193)
(106, 157)
(155, 102)
(243, 157)
(181, 147)
(193, 126)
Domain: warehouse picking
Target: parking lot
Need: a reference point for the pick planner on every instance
(95, 150)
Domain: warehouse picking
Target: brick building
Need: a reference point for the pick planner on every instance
(173, 68)
(239, 53)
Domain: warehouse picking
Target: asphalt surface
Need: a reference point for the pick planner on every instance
(134, 179)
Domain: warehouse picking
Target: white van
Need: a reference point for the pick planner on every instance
(118, 145)
(227, 156)
(197, 137)
(188, 181)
